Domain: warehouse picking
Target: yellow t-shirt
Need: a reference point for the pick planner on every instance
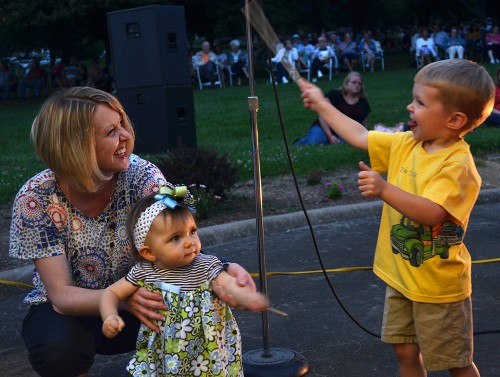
(425, 264)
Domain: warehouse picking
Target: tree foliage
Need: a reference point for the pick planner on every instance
(69, 27)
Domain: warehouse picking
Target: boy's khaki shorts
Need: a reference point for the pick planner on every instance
(443, 331)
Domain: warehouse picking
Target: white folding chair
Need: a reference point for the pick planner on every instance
(201, 83)
(332, 66)
(378, 56)
(306, 70)
(230, 73)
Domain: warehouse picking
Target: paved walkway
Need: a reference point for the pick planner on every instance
(316, 328)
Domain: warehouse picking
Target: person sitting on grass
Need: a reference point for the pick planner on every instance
(351, 100)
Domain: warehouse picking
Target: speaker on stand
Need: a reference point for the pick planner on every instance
(151, 75)
(163, 116)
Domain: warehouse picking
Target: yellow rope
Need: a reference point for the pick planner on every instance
(256, 274)
(16, 283)
(350, 269)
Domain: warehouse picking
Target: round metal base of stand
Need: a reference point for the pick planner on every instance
(277, 362)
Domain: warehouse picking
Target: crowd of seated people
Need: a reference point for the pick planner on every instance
(344, 49)
(226, 62)
(37, 80)
(473, 40)
(336, 51)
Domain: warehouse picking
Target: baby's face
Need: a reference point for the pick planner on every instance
(173, 243)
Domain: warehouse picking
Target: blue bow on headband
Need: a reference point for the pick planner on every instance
(178, 196)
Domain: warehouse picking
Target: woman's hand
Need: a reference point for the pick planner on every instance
(242, 276)
(241, 297)
(243, 279)
(333, 140)
(145, 306)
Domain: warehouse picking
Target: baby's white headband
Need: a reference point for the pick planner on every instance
(167, 198)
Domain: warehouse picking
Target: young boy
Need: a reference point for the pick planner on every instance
(432, 185)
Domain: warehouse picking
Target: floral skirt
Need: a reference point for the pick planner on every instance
(199, 337)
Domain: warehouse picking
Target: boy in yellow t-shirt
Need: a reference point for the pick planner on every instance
(432, 185)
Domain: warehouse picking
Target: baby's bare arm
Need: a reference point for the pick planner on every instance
(108, 306)
(245, 296)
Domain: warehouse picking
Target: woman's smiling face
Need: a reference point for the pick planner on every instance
(112, 141)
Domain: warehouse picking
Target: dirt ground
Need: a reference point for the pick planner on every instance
(279, 196)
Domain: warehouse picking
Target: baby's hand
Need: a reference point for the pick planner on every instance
(112, 326)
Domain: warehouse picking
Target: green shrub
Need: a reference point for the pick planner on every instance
(206, 201)
(313, 179)
(199, 167)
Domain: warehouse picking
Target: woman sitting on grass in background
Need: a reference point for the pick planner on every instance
(351, 100)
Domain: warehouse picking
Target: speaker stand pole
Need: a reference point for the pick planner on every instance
(265, 362)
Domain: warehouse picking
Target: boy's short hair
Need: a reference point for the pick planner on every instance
(63, 134)
(465, 86)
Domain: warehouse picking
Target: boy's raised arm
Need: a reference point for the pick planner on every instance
(351, 131)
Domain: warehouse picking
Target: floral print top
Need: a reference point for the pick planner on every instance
(45, 224)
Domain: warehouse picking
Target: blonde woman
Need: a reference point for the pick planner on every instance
(351, 100)
(70, 221)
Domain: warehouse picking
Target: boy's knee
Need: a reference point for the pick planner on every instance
(407, 352)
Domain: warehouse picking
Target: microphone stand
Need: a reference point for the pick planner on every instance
(265, 362)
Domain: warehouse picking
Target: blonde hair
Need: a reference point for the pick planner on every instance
(348, 78)
(464, 86)
(63, 134)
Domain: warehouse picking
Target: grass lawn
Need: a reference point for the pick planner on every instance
(223, 122)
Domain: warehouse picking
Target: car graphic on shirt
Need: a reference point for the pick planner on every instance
(417, 243)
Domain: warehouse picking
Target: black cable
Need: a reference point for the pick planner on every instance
(297, 189)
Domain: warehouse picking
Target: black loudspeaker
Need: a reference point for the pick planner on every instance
(163, 116)
(149, 46)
